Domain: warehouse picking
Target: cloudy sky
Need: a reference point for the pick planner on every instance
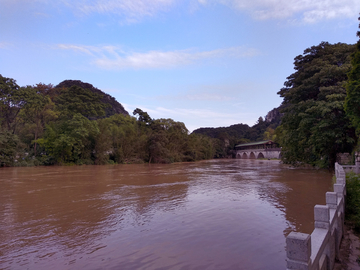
(207, 63)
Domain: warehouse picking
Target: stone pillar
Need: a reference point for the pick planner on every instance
(357, 162)
(337, 170)
(322, 216)
(331, 200)
(339, 189)
(298, 250)
(341, 178)
(333, 250)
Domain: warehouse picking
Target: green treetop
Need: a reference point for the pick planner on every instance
(352, 101)
(314, 126)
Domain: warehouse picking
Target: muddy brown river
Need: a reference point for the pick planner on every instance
(217, 214)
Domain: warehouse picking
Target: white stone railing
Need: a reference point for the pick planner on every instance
(354, 168)
(319, 250)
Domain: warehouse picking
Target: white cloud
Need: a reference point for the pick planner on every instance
(84, 49)
(112, 57)
(168, 59)
(128, 10)
(310, 10)
(131, 10)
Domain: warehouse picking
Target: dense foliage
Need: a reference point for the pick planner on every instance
(225, 138)
(112, 106)
(352, 101)
(75, 123)
(314, 127)
(352, 209)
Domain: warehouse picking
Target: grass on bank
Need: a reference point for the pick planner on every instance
(352, 209)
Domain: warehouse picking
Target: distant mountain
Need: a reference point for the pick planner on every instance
(114, 108)
(243, 131)
(238, 131)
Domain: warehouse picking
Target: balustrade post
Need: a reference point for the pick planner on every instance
(341, 179)
(298, 250)
(322, 216)
(339, 189)
(357, 162)
(331, 199)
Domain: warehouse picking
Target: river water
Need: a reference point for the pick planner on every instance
(217, 214)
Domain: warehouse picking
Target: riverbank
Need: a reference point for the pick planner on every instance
(349, 258)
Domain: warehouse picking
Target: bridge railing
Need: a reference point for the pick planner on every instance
(272, 149)
(354, 168)
(318, 250)
(259, 149)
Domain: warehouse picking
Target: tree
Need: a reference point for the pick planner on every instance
(119, 140)
(11, 101)
(143, 117)
(9, 147)
(37, 111)
(167, 141)
(270, 134)
(352, 101)
(314, 126)
(70, 141)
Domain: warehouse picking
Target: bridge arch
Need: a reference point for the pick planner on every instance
(256, 150)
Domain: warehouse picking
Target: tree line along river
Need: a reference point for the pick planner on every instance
(216, 214)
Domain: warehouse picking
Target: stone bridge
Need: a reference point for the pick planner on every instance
(259, 153)
(255, 150)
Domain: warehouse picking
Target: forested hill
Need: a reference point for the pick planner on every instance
(114, 106)
(76, 123)
(243, 132)
(238, 130)
(225, 138)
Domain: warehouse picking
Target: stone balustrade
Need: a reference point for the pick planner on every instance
(318, 250)
(354, 168)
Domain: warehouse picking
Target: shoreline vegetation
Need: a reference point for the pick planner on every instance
(75, 123)
(71, 124)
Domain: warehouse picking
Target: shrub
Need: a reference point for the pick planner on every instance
(352, 211)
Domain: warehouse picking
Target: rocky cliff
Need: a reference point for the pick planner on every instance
(273, 116)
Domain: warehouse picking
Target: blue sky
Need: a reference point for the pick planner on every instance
(207, 63)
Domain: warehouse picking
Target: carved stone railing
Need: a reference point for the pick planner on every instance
(318, 250)
(354, 168)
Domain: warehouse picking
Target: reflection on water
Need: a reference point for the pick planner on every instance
(218, 214)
